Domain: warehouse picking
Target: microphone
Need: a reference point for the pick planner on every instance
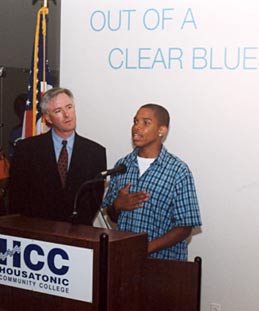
(120, 169)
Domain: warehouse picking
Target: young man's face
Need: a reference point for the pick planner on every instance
(61, 115)
(146, 130)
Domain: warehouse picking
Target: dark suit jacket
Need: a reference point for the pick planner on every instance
(35, 187)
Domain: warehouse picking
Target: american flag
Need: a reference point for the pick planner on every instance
(39, 82)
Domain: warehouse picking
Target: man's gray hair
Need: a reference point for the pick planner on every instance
(51, 94)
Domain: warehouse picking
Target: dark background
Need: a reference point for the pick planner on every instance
(17, 29)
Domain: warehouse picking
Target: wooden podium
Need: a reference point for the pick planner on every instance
(124, 279)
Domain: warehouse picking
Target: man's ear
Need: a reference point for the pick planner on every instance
(47, 118)
(163, 130)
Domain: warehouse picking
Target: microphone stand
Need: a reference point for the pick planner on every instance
(2, 75)
(120, 169)
(88, 182)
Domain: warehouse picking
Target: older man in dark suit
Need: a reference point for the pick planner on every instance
(38, 188)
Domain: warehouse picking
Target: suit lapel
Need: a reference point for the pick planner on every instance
(49, 159)
(75, 162)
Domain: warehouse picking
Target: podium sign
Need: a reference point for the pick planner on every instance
(49, 268)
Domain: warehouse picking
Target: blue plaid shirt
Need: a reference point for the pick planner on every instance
(173, 201)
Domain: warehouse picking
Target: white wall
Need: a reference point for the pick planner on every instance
(211, 91)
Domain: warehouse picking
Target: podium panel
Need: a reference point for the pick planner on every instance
(116, 264)
(171, 285)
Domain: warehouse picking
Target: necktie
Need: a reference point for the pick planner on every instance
(62, 163)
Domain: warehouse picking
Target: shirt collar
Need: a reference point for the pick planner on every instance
(160, 158)
(58, 140)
